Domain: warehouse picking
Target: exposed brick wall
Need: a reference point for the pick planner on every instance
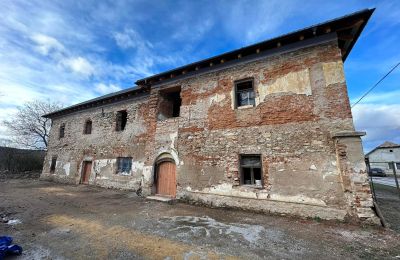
(301, 101)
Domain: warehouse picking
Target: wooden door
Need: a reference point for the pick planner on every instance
(166, 179)
(87, 169)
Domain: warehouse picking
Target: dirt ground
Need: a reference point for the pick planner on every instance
(79, 222)
(389, 203)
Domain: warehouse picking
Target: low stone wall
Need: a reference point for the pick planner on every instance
(264, 206)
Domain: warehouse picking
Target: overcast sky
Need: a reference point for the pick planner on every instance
(69, 51)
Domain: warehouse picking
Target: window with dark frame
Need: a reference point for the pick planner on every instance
(62, 131)
(122, 118)
(250, 170)
(398, 165)
(124, 165)
(244, 93)
(53, 164)
(88, 127)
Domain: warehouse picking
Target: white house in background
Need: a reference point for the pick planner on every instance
(383, 155)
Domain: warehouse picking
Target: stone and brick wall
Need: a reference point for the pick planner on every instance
(301, 103)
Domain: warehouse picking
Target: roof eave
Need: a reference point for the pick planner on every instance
(355, 21)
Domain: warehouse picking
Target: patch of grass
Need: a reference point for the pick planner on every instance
(318, 219)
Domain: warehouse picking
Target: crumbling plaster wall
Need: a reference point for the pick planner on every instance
(102, 146)
(301, 101)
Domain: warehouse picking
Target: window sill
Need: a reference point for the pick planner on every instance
(123, 174)
(171, 119)
(252, 186)
(245, 107)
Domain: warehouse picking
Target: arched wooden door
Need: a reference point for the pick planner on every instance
(166, 179)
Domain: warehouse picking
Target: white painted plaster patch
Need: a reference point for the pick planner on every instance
(297, 199)
(327, 174)
(333, 72)
(297, 82)
(66, 168)
(137, 166)
(101, 163)
(173, 137)
(232, 98)
(147, 174)
(217, 98)
(227, 190)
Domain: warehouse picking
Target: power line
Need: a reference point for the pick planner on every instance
(376, 84)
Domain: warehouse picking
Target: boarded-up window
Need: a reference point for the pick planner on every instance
(250, 169)
(62, 131)
(53, 164)
(244, 92)
(122, 117)
(88, 127)
(124, 165)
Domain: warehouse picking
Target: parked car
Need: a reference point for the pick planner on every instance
(377, 172)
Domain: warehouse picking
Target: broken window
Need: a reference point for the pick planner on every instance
(124, 165)
(122, 117)
(250, 168)
(170, 103)
(53, 164)
(244, 92)
(62, 131)
(88, 127)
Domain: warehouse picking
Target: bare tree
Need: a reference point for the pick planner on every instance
(29, 128)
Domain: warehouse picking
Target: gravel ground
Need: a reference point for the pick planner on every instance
(388, 199)
(55, 221)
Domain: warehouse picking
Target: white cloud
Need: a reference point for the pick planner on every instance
(105, 89)
(46, 44)
(381, 122)
(129, 38)
(79, 65)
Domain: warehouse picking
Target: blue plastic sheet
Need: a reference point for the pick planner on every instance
(6, 247)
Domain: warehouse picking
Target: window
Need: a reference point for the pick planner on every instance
(62, 131)
(88, 127)
(122, 117)
(53, 164)
(250, 170)
(244, 93)
(398, 166)
(170, 103)
(390, 166)
(391, 151)
(124, 165)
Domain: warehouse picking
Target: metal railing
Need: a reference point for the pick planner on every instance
(393, 166)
